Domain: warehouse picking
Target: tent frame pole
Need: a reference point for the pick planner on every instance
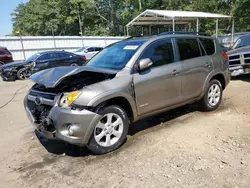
(233, 30)
(173, 25)
(217, 27)
(197, 25)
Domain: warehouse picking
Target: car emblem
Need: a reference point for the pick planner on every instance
(38, 101)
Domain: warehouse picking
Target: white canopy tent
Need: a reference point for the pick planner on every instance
(170, 17)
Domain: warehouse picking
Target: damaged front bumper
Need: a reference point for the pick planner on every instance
(72, 126)
(8, 75)
(239, 70)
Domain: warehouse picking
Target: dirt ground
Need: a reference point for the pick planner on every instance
(180, 148)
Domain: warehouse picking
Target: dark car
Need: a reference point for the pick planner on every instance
(239, 61)
(38, 62)
(5, 56)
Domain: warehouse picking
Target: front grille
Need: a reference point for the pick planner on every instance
(247, 55)
(234, 57)
(39, 112)
(40, 104)
(234, 62)
(49, 96)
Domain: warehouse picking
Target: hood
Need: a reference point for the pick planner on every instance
(50, 78)
(15, 64)
(239, 50)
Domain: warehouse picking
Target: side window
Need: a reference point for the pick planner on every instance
(208, 45)
(160, 53)
(44, 57)
(98, 49)
(2, 53)
(91, 49)
(188, 48)
(246, 41)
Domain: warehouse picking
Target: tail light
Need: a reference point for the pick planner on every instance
(225, 56)
(84, 58)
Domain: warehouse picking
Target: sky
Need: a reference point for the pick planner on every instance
(6, 8)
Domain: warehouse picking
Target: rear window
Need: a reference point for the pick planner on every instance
(188, 48)
(208, 45)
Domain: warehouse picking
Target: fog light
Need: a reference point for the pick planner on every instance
(71, 130)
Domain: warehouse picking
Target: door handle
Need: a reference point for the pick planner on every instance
(208, 65)
(175, 72)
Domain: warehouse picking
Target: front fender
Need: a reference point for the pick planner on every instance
(101, 98)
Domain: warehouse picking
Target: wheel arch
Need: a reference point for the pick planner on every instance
(121, 101)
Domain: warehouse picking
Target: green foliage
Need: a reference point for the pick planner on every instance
(109, 17)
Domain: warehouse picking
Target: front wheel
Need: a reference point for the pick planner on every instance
(23, 73)
(110, 132)
(213, 95)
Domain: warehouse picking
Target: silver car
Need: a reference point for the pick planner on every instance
(94, 105)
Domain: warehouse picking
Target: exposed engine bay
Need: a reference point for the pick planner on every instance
(41, 99)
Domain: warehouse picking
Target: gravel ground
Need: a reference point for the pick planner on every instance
(180, 148)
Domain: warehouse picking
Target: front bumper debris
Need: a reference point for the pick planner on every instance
(82, 122)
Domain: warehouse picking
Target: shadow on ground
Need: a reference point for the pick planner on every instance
(59, 147)
(245, 78)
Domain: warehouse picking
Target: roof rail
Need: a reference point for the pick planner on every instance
(184, 32)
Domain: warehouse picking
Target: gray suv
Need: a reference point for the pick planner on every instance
(94, 105)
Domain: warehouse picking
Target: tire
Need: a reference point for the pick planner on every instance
(99, 142)
(74, 64)
(213, 96)
(22, 74)
(1, 63)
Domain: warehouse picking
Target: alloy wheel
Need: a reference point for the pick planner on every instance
(109, 130)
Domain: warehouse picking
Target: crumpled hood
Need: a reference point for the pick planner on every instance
(239, 50)
(50, 78)
(15, 64)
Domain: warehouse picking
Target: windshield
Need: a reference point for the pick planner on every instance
(33, 57)
(81, 49)
(116, 56)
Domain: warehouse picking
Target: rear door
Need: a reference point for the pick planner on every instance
(195, 65)
(159, 86)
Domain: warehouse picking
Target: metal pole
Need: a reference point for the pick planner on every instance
(127, 31)
(233, 31)
(53, 36)
(217, 25)
(149, 30)
(142, 31)
(197, 25)
(21, 39)
(173, 25)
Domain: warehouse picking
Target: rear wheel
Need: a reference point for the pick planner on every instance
(110, 132)
(212, 98)
(1, 63)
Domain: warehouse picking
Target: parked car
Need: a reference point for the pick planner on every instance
(94, 105)
(239, 61)
(5, 56)
(40, 61)
(88, 52)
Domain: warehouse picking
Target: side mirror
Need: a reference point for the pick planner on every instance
(86, 51)
(144, 64)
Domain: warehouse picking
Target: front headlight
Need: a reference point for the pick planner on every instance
(68, 98)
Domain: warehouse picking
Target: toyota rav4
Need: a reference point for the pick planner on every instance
(94, 105)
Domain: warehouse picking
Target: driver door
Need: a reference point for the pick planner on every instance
(159, 86)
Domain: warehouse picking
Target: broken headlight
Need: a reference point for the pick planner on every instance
(68, 98)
